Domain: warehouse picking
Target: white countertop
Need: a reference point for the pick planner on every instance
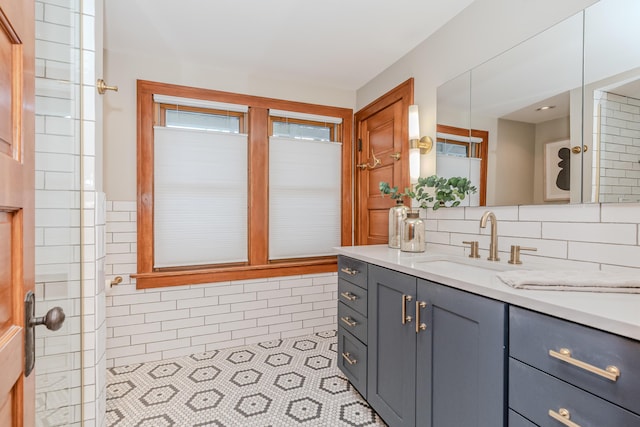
(618, 313)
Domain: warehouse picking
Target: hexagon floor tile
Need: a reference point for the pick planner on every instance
(289, 382)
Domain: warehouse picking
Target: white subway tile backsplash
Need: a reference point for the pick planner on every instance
(622, 255)
(280, 293)
(250, 306)
(141, 328)
(153, 337)
(153, 307)
(603, 233)
(197, 302)
(276, 302)
(243, 324)
(190, 322)
(168, 345)
(251, 332)
(272, 320)
(560, 213)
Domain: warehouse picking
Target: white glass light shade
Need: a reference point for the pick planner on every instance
(414, 164)
(414, 122)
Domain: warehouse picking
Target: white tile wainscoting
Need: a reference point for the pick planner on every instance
(158, 324)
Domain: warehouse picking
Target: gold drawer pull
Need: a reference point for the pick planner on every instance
(348, 321)
(420, 326)
(405, 299)
(347, 357)
(611, 372)
(349, 271)
(563, 416)
(348, 296)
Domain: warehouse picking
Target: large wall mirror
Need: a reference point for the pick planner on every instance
(556, 119)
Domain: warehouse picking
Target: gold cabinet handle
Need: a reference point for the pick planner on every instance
(563, 416)
(420, 326)
(395, 156)
(348, 296)
(405, 300)
(347, 357)
(610, 372)
(362, 166)
(349, 271)
(348, 321)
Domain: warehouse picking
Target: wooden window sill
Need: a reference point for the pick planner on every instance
(159, 279)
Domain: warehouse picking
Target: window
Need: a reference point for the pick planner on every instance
(236, 187)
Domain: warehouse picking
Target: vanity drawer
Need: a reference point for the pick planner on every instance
(353, 296)
(353, 270)
(352, 360)
(533, 335)
(533, 394)
(352, 321)
(517, 420)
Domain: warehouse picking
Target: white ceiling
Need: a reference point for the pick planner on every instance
(335, 43)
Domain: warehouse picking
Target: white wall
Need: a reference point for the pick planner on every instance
(514, 152)
(120, 108)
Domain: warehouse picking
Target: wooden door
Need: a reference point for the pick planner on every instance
(16, 205)
(391, 364)
(382, 135)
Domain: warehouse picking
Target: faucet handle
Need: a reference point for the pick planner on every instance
(515, 253)
(474, 248)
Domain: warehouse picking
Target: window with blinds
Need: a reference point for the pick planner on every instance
(238, 189)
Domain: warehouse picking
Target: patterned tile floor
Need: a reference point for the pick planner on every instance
(291, 382)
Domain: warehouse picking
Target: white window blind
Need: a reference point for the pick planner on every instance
(304, 198)
(200, 197)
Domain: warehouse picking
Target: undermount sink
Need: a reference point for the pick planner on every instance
(460, 265)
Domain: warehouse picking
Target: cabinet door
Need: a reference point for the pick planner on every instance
(461, 355)
(391, 379)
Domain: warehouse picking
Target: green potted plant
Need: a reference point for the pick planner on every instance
(448, 192)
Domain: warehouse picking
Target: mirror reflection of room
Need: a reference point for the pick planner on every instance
(558, 131)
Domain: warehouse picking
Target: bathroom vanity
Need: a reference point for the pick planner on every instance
(438, 340)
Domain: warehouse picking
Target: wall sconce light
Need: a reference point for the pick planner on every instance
(417, 145)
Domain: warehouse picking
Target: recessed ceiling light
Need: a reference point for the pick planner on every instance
(545, 107)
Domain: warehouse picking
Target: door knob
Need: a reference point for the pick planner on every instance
(395, 156)
(577, 149)
(53, 320)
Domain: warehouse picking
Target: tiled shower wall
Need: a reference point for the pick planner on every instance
(619, 148)
(157, 324)
(70, 218)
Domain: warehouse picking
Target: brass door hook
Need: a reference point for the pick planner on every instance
(376, 162)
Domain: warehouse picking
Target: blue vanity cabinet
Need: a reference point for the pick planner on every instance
(352, 321)
(391, 374)
(561, 372)
(444, 366)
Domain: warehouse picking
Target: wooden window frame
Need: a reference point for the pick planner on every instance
(258, 265)
(162, 108)
(481, 152)
(334, 129)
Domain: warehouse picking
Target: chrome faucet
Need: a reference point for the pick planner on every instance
(493, 246)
